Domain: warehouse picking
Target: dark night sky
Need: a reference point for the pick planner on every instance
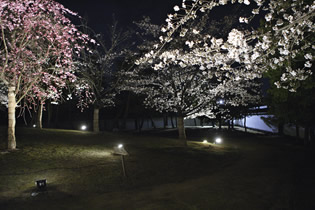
(100, 12)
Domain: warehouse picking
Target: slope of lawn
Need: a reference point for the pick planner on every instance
(77, 163)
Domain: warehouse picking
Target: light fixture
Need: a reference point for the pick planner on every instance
(218, 140)
(83, 127)
(41, 184)
(34, 126)
(120, 150)
(205, 141)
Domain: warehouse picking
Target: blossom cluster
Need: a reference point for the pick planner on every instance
(288, 34)
(37, 48)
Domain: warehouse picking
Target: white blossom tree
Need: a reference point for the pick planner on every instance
(185, 89)
(289, 32)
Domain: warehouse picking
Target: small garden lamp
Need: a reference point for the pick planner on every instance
(218, 140)
(205, 141)
(41, 184)
(83, 127)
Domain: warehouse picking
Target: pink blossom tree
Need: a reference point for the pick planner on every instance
(37, 47)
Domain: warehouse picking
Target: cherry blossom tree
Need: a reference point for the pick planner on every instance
(97, 66)
(181, 88)
(37, 46)
(289, 32)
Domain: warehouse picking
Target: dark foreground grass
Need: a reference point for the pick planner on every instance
(80, 164)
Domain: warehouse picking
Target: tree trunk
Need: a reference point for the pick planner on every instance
(141, 124)
(173, 126)
(181, 129)
(126, 111)
(152, 123)
(280, 129)
(39, 122)
(96, 120)
(245, 124)
(232, 123)
(11, 118)
(165, 119)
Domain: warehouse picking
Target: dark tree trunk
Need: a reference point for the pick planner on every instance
(201, 121)
(181, 129)
(115, 123)
(56, 121)
(176, 123)
(245, 127)
(173, 126)
(141, 124)
(232, 123)
(152, 123)
(96, 119)
(165, 119)
(126, 112)
(280, 129)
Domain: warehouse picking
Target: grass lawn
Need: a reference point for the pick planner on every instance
(245, 172)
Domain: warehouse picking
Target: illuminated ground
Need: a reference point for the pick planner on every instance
(246, 172)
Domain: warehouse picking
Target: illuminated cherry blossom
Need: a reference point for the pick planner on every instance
(37, 46)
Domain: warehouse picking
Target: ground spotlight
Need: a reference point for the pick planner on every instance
(120, 146)
(83, 127)
(34, 126)
(41, 184)
(218, 140)
(204, 141)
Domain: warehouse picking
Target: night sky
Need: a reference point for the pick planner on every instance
(100, 12)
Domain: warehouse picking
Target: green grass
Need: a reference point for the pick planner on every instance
(245, 172)
(77, 162)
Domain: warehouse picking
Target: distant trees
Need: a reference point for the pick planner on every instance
(37, 46)
(97, 66)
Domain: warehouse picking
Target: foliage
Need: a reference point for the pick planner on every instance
(290, 29)
(188, 90)
(97, 66)
(37, 46)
